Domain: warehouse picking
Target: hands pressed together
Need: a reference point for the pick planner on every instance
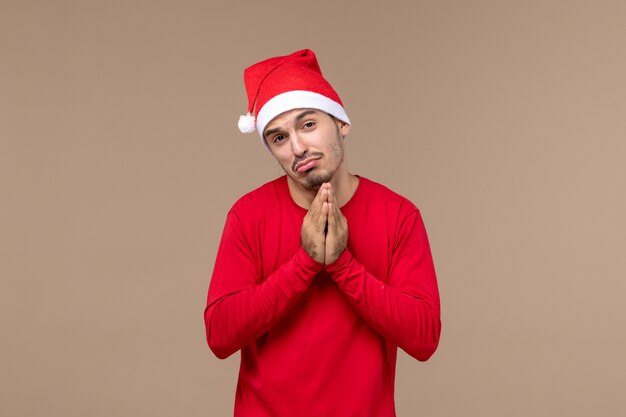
(324, 232)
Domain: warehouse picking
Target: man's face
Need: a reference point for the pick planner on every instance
(308, 145)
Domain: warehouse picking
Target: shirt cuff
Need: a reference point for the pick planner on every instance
(344, 259)
(303, 259)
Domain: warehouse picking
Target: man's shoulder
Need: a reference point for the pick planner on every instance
(378, 193)
(269, 193)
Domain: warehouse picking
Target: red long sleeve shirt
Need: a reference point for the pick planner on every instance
(321, 340)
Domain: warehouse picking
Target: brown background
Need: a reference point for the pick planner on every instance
(503, 120)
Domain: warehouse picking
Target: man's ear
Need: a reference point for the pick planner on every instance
(344, 128)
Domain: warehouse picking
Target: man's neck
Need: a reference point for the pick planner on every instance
(344, 185)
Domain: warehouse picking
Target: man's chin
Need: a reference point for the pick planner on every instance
(311, 181)
(315, 182)
(312, 187)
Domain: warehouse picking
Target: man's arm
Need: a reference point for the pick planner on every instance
(239, 309)
(406, 311)
(237, 319)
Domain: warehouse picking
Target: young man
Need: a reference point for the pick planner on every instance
(320, 274)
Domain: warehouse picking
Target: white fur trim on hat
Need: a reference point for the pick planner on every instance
(298, 99)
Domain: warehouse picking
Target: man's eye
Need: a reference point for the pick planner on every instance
(309, 125)
(278, 138)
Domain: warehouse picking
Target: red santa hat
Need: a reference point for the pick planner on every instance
(284, 83)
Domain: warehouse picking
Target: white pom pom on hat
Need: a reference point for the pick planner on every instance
(247, 123)
(284, 83)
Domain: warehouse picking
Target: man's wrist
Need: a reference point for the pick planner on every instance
(343, 260)
(307, 261)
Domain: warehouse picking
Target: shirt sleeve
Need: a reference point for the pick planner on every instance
(240, 308)
(405, 311)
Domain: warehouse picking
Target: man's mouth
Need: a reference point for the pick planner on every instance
(306, 164)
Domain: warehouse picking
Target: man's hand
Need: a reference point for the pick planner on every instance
(312, 234)
(337, 235)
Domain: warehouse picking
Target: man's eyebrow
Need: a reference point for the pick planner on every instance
(304, 114)
(299, 117)
(268, 132)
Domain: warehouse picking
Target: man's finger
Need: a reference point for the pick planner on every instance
(332, 216)
(320, 197)
(317, 205)
(315, 209)
(331, 196)
(334, 211)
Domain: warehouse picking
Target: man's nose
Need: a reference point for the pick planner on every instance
(298, 145)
